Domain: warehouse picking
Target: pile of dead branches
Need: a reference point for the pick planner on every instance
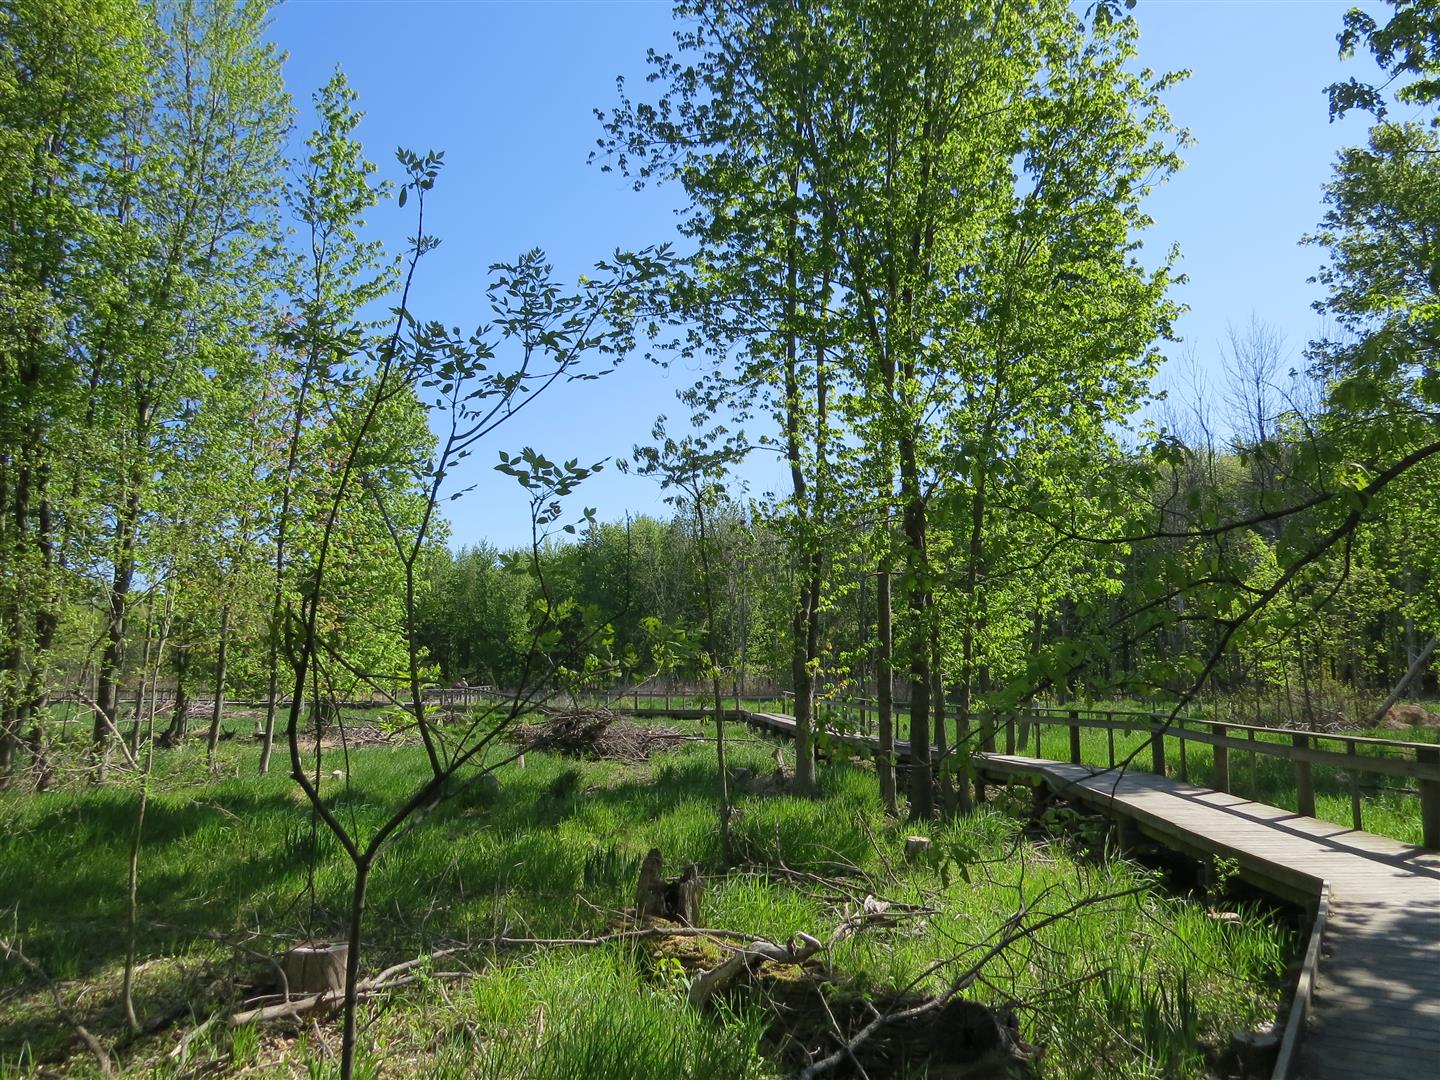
(598, 734)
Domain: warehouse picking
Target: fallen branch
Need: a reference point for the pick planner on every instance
(1017, 929)
(13, 952)
(797, 950)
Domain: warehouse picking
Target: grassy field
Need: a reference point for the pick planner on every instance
(1148, 985)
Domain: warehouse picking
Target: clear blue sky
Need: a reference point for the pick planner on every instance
(507, 91)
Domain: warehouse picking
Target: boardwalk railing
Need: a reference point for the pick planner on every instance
(1355, 754)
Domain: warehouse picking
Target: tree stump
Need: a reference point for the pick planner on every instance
(916, 848)
(316, 967)
(677, 899)
(1255, 1051)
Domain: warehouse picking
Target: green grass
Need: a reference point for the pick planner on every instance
(1133, 988)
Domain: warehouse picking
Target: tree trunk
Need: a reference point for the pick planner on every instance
(179, 719)
(885, 690)
(713, 646)
(922, 797)
(217, 711)
(112, 659)
(352, 968)
(9, 742)
(1415, 668)
(945, 760)
(138, 714)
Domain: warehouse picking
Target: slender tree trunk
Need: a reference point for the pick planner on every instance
(112, 659)
(138, 715)
(727, 851)
(180, 719)
(352, 966)
(217, 711)
(922, 797)
(14, 629)
(942, 749)
(9, 742)
(805, 619)
(1416, 666)
(277, 604)
(885, 689)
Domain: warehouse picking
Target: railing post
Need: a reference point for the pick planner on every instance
(1254, 782)
(1074, 738)
(1110, 736)
(1429, 802)
(1157, 746)
(1037, 725)
(1304, 783)
(1357, 820)
(1221, 778)
(1010, 733)
(1184, 757)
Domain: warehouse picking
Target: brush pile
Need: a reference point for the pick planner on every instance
(600, 734)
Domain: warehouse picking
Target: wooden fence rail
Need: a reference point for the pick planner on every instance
(1354, 754)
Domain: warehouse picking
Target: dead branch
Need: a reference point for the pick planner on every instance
(1016, 929)
(797, 950)
(13, 952)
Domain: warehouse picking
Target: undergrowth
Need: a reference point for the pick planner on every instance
(1146, 985)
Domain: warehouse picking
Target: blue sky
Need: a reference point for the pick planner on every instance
(507, 91)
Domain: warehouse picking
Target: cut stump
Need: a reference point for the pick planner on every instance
(677, 899)
(316, 967)
(916, 848)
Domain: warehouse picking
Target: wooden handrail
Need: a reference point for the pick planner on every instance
(1423, 766)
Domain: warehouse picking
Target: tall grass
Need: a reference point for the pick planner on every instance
(1119, 990)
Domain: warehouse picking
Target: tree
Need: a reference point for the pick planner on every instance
(191, 198)
(336, 278)
(756, 296)
(949, 255)
(693, 467)
(553, 334)
(72, 71)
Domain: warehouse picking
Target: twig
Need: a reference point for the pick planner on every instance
(12, 952)
(1018, 929)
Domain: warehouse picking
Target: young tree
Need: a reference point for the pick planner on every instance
(336, 278)
(553, 333)
(72, 71)
(693, 467)
(192, 203)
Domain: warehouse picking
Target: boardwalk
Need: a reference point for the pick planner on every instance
(1375, 1013)
(1376, 1010)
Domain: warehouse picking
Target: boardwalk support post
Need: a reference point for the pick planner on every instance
(1221, 780)
(1157, 746)
(1304, 784)
(1357, 820)
(1429, 802)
